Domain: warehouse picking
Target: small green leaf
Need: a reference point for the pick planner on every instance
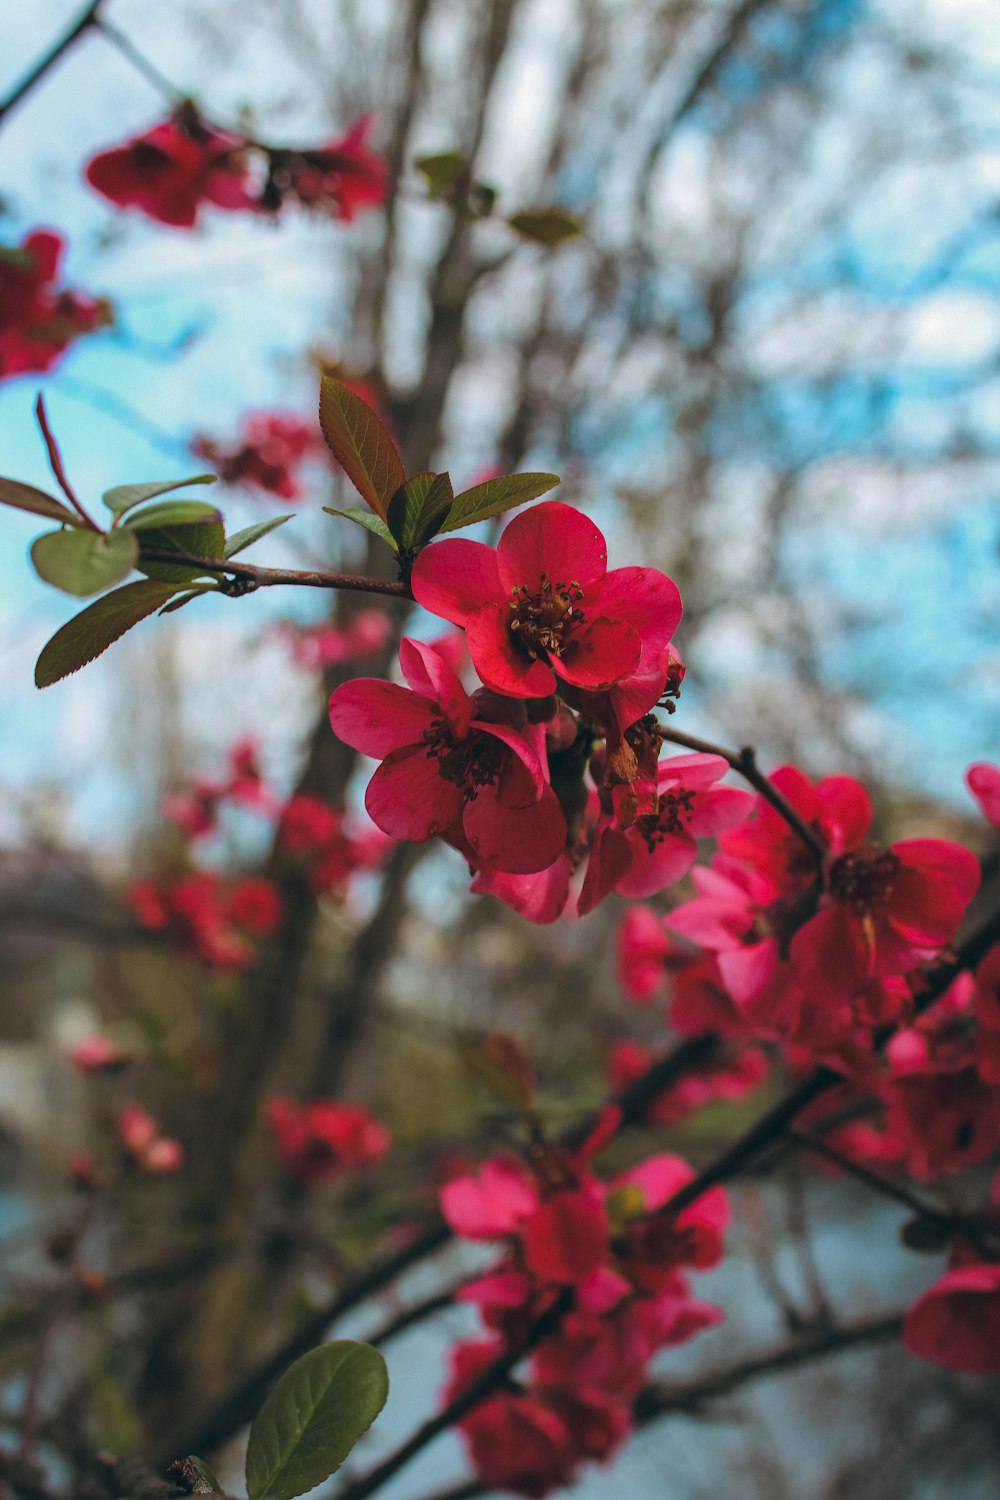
(926, 1234)
(483, 199)
(204, 539)
(496, 496)
(124, 496)
(82, 562)
(418, 509)
(361, 444)
(26, 497)
(174, 513)
(182, 599)
(545, 226)
(310, 1422)
(442, 171)
(200, 1476)
(366, 519)
(98, 626)
(241, 540)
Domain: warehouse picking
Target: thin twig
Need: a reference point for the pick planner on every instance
(56, 464)
(88, 19)
(140, 62)
(252, 577)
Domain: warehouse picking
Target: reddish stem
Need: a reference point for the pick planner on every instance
(56, 465)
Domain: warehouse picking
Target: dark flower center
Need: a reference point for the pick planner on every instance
(676, 808)
(470, 763)
(864, 878)
(541, 620)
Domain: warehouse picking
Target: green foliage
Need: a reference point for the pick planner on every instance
(173, 513)
(82, 562)
(366, 519)
(419, 508)
(442, 171)
(205, 538)
(241, 540)
(310, 1422)
(495, 496)
(88, 634)
(26, 497)
(361, 444)
(545, 226)
(124, 496)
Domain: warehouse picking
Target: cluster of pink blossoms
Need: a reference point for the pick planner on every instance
(553, 763)
(183, 163)
(38, 318)
(318, 1142)
(600, 1247)
(219, 920)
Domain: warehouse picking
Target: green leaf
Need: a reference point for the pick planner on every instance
(367, 520)
(83, 562)
(441, 171)
(418, 509)
(545, 226)
(174, 513)
(124, 496)
(182, 599)
(496, 496)
(88, 634)
(241, 540)
(204, 539)
(26, 497)
(361, 444)
(927, 1234)
(313, 1417)
(200, 1476)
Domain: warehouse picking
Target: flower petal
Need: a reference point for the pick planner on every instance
(377, 717)
(551, 541)
(453, 578)
(408, 797)
(502, 665)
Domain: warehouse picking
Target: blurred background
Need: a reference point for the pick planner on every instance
(770, 366)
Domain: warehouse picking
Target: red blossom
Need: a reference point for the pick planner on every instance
(151, 1152)
(542, 607)
(956, 1323)
(983, 781)
(38, 320)
(342, 177)
(171, 171)
(99, 1054)
(268, 456)
(466, 767)
(320, 1141)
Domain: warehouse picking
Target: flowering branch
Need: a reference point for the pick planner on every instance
(744, 762)
(491, 1379)
(235, 1409)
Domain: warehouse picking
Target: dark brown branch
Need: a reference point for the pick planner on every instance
(258, 578)
(38, 72)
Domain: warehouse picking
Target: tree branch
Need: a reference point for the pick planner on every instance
(245, 578)
(38, 72)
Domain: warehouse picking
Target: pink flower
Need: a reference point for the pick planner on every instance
(660, 847)
(170, 171)
(543, 607)
(983, 781)
(837, 809)
(493, 1203)
(318, 1142)
(38, 320)
(643, 948)
(884, 912)
(655, 1245)
(956, 1323)
(151, 1152)
(343, 176)
(98, 1054)
(451, 761)
(254, 905)
(268, 456)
